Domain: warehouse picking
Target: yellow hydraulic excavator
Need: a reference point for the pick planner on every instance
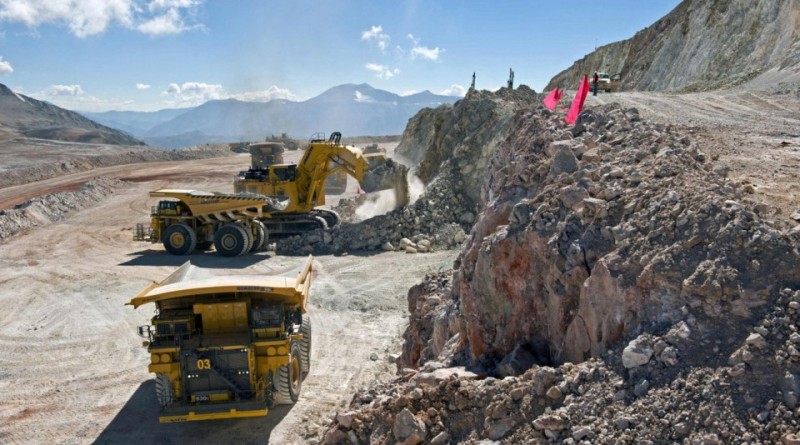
(302, 185)
(269, 200)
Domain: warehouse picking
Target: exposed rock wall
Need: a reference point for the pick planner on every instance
(616, 244)
(700, 45)
(622, 229)
(461, 138)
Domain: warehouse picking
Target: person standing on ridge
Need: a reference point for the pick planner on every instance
(595, 83)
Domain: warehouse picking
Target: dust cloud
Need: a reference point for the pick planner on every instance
(384, 201)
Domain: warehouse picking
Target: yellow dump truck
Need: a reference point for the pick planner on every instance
(269, 200)
(191, 219)
(226, 346)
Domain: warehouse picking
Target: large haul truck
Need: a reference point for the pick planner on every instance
(226, 346)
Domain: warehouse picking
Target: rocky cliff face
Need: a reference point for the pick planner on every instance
(700, 45)
(618, 231)
(461, 138)
(618, 246)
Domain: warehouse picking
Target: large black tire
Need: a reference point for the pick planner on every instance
(305, 345)
(250, 239)
(260, 239)
(179, 239)
(288, 379)
(163, 391)
(231, 240)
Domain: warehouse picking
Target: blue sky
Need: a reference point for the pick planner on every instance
(145, 55)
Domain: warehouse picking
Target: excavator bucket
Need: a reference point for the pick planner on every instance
(386, 176)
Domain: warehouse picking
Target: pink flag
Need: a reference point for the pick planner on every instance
(577, 103)
(552, 99)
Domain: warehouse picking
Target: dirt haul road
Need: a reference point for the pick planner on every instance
(754, 132)
(72, 369)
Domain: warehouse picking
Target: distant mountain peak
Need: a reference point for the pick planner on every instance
(354, 109)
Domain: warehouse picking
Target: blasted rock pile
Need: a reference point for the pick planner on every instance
(440, 218)
(616, 287)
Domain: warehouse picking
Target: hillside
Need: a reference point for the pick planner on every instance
(23, 116)
(355, 110)
(701, 45)
(136, 123)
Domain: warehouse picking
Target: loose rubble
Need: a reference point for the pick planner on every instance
(616, 287)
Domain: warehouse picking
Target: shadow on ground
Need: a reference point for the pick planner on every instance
(152, 257)
(137, 422)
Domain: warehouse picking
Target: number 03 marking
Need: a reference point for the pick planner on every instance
(204, 363)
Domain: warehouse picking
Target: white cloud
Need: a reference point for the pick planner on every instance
(196, 93)
(271, 93)
(422, 51)
(192, 93)
(63, 90)
(376, 34)
(361, 97)
(381, 71)
(142, 86)
(169, 23)
(160, 5)
(408, 93)
(5, 67)
(426, 53)
(455, 90)
(90, 17)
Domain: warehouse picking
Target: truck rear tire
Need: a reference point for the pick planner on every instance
(250, 239)
(288, 379)
(260, 239)
(305, 345)
(179, 239)
(231, 240)
(163, 391)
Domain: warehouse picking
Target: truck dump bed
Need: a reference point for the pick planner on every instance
(226, 346)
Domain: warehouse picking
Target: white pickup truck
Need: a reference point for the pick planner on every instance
(607, 83)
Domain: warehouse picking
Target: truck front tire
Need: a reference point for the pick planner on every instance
(179, 239)
(288, 379)
(163, 391)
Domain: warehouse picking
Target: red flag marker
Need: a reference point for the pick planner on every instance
(577, 103)
(552, 99)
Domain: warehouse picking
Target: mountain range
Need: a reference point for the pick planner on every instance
(354, 110)
(25, 117)
(701, 45)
